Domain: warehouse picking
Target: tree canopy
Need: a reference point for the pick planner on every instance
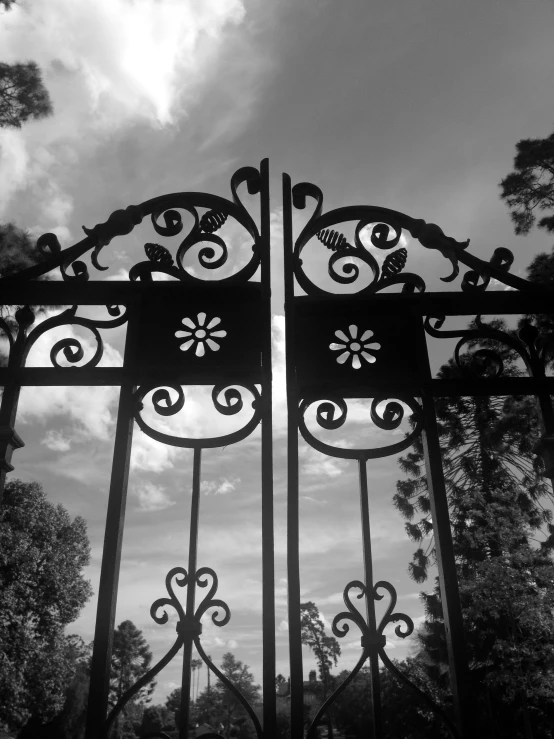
(496, 497)
(42, 555)
(530, 187)
(22, 94)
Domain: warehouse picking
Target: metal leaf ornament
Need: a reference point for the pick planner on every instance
(394, 263)
(158, 253)
(333, 240)
(211, 221)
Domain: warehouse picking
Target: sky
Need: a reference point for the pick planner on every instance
(412, 105)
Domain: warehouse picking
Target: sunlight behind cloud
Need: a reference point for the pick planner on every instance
(107, 66)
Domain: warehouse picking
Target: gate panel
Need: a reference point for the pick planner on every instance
(187, 331)
(369, 343)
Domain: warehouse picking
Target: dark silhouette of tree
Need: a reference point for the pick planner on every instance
(17, 250)
(496, 498)
(131, 658)
(7, 4)
(156, 718)
(325, 648)
(42, 555)
(219, 706)
(22, 94)
(530, 187)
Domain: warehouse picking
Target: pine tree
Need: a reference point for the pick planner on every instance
(22, 94)
(496, 498)
(131, 658)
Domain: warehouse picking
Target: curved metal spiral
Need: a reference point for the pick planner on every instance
(167, 220)
(72, 348)
(332, 412)
(164, 405)
(487, 363)
(375, 640)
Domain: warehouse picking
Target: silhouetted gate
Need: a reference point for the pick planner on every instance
(217, 332)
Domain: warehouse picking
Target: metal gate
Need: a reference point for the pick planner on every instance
(190, 331)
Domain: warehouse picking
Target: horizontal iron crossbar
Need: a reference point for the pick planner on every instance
(423, 304)
(115, 376)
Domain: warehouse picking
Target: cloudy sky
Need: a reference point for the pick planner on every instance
(413, 105)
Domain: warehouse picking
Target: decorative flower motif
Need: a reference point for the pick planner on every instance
(200, 334)
(354, 347)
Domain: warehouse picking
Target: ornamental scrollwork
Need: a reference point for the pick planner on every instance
(533, 347)
(208, 214)
(349, 261)
(189, 627)
(227, 400)
(385, 413)
(373, 643)
(21, 340)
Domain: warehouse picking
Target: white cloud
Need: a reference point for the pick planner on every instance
(56, 441)
(222, 486)
(108, 65)
(152, 497)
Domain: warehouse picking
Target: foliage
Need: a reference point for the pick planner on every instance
(131, 658)
(7, 3)
(17, 250)
(219, 706)
(404, 714)
(22, 94)
(156, 718)
(496, 500)
(42, 554)
(326, 648)
(70, 722)
(487, 445)
(531, 185)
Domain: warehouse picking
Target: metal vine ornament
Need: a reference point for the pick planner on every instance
(360, 336)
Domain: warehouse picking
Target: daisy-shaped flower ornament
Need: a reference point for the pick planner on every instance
(200, 335)
(354, 348)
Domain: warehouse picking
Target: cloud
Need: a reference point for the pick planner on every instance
(108, 66)
(56, 441)
(152, 497)
(222, 486)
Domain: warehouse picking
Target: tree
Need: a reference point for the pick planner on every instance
(531, 186)
(7, 3)
(156, 718)
(70, 722)
(17, 250)
(22, 94)
(42, 554)
(220, 705)
(131, 658)
(325, 648)
(496, 500)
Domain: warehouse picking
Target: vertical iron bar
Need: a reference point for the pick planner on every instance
(268, 555)
(113, 540)
(191, 592)
(293, 554)
(448, 576)
(370, 603)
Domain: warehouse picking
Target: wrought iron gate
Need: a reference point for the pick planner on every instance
(190, 331)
